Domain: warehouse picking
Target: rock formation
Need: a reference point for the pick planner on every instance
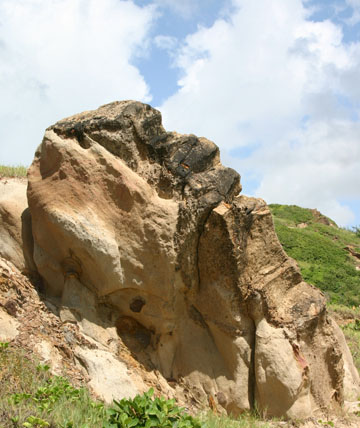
(13, 214)
(141, 238)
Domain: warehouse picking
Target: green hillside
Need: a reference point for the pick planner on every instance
(328, 256)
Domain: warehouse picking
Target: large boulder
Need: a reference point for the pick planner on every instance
(145, 230)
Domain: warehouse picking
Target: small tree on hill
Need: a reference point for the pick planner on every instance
(356, 230)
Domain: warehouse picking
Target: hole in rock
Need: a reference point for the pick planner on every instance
(71, 266)
(137, 304)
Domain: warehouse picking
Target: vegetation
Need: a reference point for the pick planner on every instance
(30, 397)
(321, 250)
(143, 411)
(13, 171)
(246, 420)
(356, 230)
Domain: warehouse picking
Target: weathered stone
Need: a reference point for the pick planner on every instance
(49, 355)
(8, 327)
(109, 377)
(13, 202)
(351, 375)
(142, 230)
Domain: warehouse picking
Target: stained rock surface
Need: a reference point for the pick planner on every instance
(141, 234)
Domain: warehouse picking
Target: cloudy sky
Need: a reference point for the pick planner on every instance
(274, 83)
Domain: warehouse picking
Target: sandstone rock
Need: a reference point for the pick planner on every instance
(142, 230)
(37, 330)
(109, 377)
(351, 375)
(8, 327)
(49, 355)
(13, 202)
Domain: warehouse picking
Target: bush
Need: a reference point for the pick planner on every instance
(145, 411)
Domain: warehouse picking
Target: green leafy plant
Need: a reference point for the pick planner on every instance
(42, 368)
(326, 423)
(46, 396)
(33, 421)
(146, 411)
(28, 391)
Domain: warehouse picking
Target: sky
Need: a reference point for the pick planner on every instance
(274, 83)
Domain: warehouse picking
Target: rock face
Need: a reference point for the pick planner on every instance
(13, 215)
(142, 233)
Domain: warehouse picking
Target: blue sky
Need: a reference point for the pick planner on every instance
(275, 83)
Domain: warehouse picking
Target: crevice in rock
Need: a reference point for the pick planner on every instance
(197, 317)
(252, 371)
(201, 231)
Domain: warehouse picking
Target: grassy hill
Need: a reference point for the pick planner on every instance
(328, 256)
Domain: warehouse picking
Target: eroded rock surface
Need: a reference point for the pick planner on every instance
(15, 222)
(141, 234)
(32, 323)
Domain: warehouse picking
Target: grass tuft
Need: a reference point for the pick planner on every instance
(31, 397)
(245, 420)
(13, 171)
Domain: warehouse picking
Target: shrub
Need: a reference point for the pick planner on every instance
(145, 411)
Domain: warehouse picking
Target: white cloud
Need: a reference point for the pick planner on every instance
(269, 79)
(59, 57)
(355, 17)
(168, 43)
(184, 8)
(313, 167)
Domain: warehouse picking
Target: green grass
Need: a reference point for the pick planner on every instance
(320, 252)
(13, 171)
(30, 397)
(246, 420)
